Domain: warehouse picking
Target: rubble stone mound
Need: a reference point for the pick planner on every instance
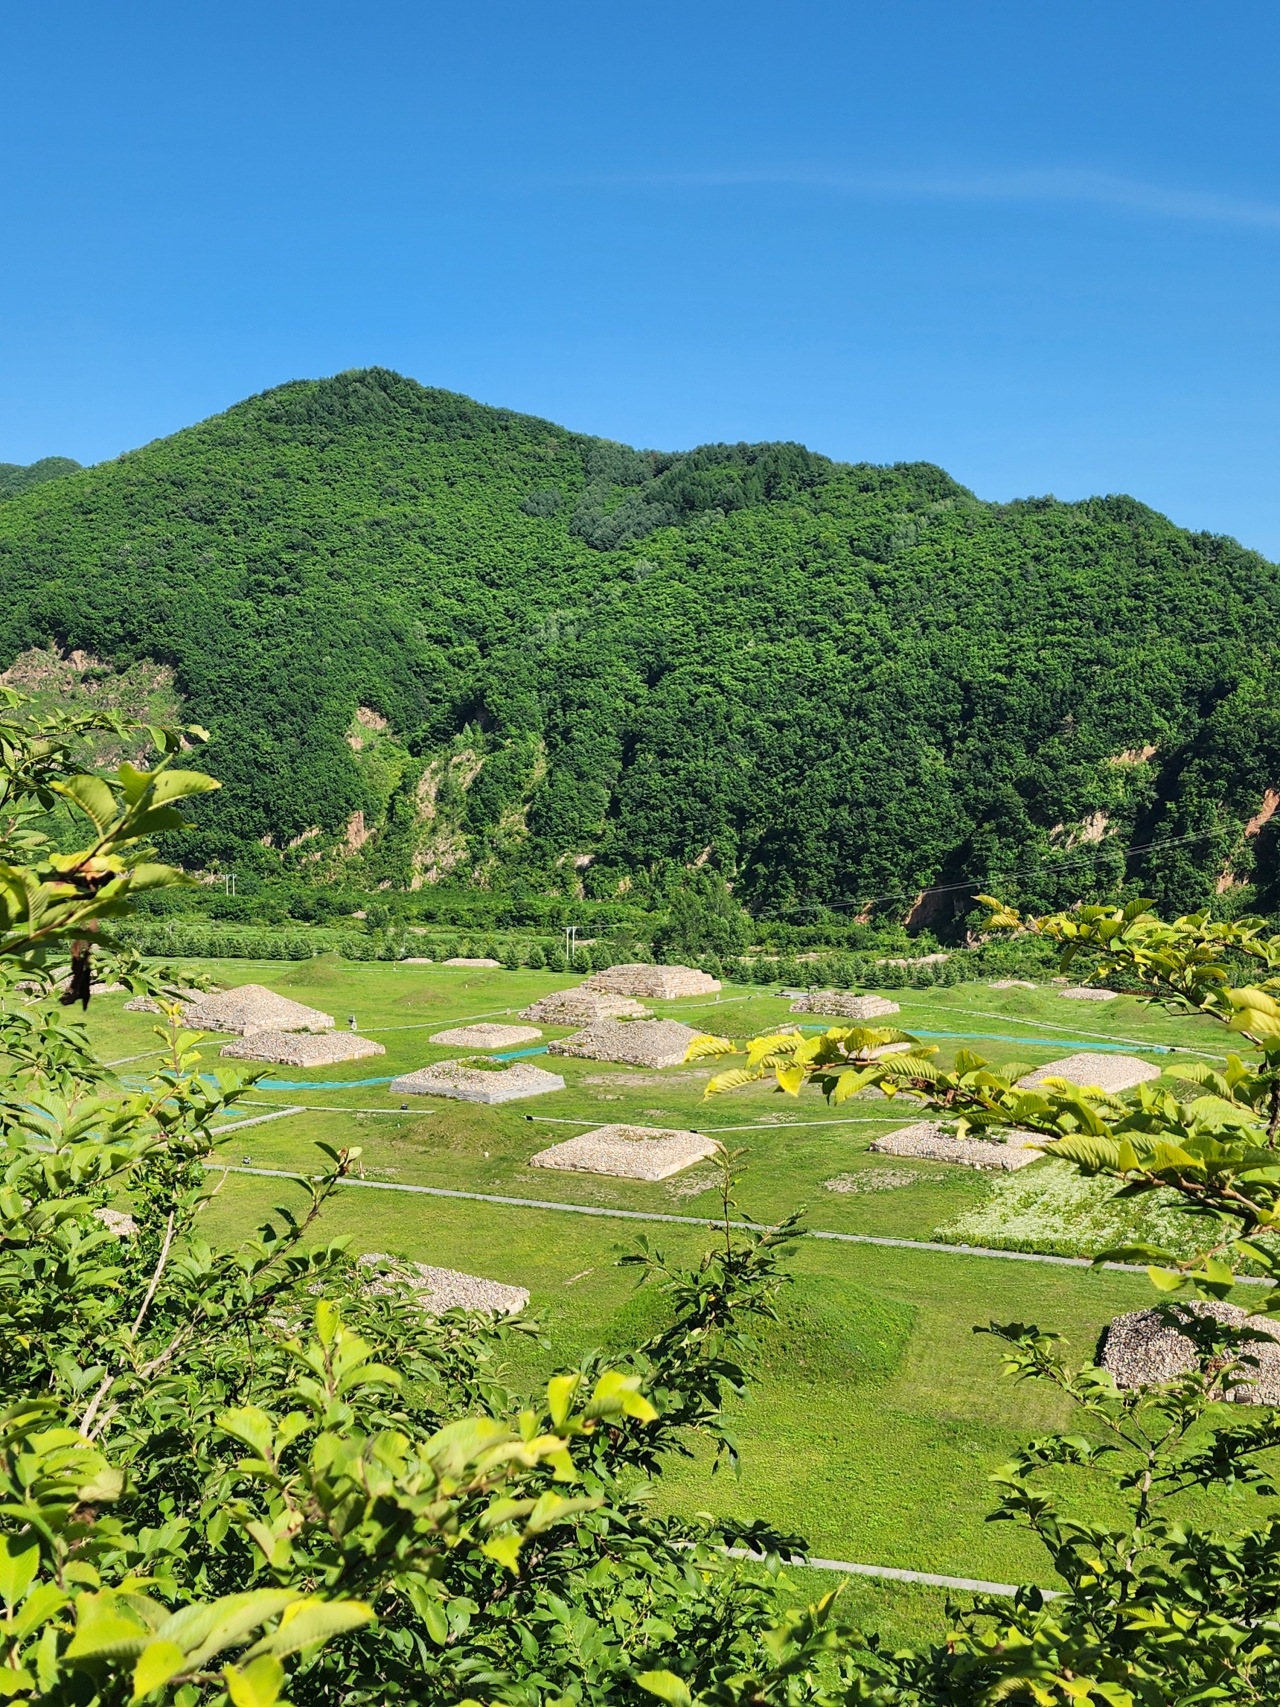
(929, 1138)
(1109, 1073)
(441, 1289)
(117, 1221)
(1012, 984)
(467, 1082)
(252, 1007)
(303, 1048)
(145, 1005)
(1144, 1349)
(461, 960)
(637, 1042)
(488, 1036)
(580, 1006)
(657, 983)
(844, 1005)
(1087, 994)
(628, 1152)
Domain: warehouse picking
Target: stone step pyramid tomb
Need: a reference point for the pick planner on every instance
(474, 1079)
(656, 983)
(581, 1006)
(1109, 1073)
(931, 1140)
(271, 1027)
(634, 1042)
(844, 1005)
(628, 1152)
(441, 1289)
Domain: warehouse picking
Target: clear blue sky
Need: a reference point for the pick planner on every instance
(1034, 243)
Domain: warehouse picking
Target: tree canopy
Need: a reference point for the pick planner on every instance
(449, 642)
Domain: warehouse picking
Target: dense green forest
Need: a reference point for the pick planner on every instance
(18, 477)
(436, 642)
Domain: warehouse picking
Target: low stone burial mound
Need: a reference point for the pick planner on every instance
(628, 1152)
(635, 1042)
(657, 983)
(930, 1139)
(473, 1081)
(487, 1036)
(1145, 1348)
(843, 1005)
(441, 1289)
(1110, 1073)
(252, 1007)
(1086, 993)
(146, 1005)
(303, 1048)
(581, 1006)
(463, 960)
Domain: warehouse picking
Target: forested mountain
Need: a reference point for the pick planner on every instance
(17, 477)
(448, 641)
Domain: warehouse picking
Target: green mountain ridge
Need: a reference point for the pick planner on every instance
(17, 477)
(437, 641)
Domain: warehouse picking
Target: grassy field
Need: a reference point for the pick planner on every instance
(878, 1414)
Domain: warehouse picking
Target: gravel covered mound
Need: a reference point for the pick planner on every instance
(658, 983)
(638, 1042)
(303, 1048)
(1144, 1348)
(1012, 984)
(1084, 994)
(441, 1289)
(145, 1005)
(467, 1082)
(462, 960)
(628, 1152)
(846, 1006)
(581, 1006)
(252, 1007)
(117, 1221)
(1108, 1072)
(928, 1138)
(488, 1036)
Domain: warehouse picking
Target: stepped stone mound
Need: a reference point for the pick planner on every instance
(441, 1289)
(657, 983)
(1012, 984)
(628, 1152)
(581, 1006)
(252, 1007)
(145, 1005)
(1083, 994)
(845, 1006)
(467, 1082)
(488, 1036)
(303, 1048)
(1145, 1348)
(460, 960)
(928, 1138)
(1108, 1072)
(636, 1042)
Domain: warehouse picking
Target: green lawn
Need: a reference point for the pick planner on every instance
(878, 1414)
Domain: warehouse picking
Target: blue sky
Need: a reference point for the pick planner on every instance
(1035, 244)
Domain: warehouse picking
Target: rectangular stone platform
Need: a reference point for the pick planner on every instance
(628, 1152)
(468, 1083)
(929, 1139)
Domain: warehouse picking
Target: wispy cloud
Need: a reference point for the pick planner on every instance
(1095, 188)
